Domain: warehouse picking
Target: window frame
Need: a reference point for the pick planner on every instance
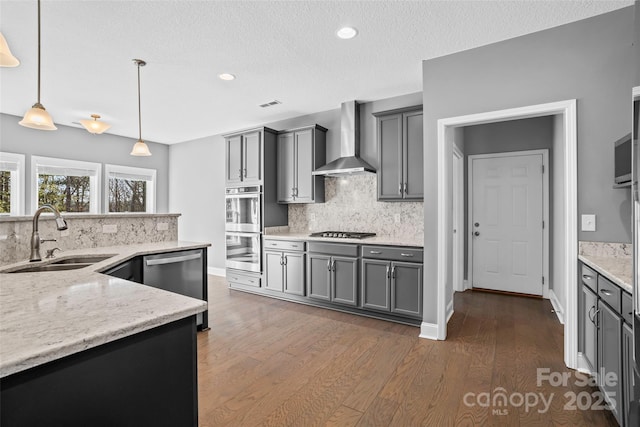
(94, 180)
(130, 170)
(17, 182)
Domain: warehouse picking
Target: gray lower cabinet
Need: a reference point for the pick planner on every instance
(392, 286)
(400, 154)
(300, 152)
(590, 331)
(609, 357)
(332, 275)
(284, 270)
(627, 369)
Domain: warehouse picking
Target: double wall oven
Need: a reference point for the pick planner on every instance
(243, 228)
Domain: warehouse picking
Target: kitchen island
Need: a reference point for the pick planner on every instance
(78, 347)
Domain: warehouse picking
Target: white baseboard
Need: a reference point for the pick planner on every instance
(429, 331)
(557, 307)
(466, 285)
(449, 310)
(215, 271)
(583, 365)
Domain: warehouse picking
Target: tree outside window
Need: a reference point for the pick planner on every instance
(66, 193)
(127, 195)
(5, 192)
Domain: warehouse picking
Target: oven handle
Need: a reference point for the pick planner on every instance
(242, 196)
(233, 233)
(173, 260)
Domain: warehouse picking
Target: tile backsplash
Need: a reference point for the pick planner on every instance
(351, 205)
(605, 249)
(88, 231)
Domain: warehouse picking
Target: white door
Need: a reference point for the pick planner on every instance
(506, 223)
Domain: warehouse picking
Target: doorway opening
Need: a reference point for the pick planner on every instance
(563, 245)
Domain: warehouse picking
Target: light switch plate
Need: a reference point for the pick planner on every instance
(589, 222)
(162, 226)
(110, 228)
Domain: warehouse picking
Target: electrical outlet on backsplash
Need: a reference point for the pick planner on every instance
(351, 205)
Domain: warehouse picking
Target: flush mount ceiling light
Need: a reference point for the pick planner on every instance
(95, 126)
(140, 148)
(37, 117)
(6, 57)
(226, 76)
(347, 33)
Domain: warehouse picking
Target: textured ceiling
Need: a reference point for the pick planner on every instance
(284, 50)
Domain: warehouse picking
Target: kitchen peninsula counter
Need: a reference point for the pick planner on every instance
(47, 316)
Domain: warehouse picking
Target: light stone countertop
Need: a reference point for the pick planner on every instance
(617, 269)
(375, 240)
(49, 315)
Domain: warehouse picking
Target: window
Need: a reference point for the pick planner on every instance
(11, 184)
(69, 185)
(130, 189)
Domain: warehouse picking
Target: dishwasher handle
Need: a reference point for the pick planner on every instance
(173, 260)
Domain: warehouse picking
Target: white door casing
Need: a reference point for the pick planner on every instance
(458, 220)
(507, 217)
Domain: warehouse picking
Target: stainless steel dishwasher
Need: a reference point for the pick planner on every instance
(180, 272)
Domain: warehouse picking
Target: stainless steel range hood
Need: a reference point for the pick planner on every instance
(349, 162)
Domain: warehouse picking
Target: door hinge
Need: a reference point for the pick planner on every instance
(543, 224)
(542, 168)
(543, 280)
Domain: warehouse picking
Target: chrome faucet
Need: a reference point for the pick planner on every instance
(61, 224)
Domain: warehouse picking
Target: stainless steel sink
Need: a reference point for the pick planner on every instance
(85, 259)
(51, 267)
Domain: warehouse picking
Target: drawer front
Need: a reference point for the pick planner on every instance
(589, 278)
(609, 293)
(392, 253)
(285, 245)
(627, 308)
(242, 279)
(333, 248)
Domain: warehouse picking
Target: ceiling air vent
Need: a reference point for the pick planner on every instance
(270, 103)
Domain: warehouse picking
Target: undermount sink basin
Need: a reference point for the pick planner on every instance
(72, 263)
(51, 267)
(86, 259)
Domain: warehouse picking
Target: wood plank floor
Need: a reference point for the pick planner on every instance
(267, 362)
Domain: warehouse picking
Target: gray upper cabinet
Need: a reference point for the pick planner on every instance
(400, 154)
(300, 152)
(244, 158)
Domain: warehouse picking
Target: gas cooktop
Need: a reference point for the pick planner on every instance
(342, 234)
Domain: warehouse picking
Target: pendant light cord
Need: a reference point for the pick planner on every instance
(139, 108)
(38, 52)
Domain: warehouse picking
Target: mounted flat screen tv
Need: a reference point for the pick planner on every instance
(622, 167)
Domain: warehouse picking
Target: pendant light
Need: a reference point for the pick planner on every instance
(6, 57)
(37, 117)
(140, 148)
(95, 126)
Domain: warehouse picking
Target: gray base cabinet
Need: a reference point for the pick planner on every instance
(376, 285)
(332, 276)
(627, 369)
(609, 357)
(284, 270)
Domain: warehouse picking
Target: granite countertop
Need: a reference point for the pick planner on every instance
(618, 269)
(49, 315)
(375, 240)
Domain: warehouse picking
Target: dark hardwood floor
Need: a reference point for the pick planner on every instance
(274, 363)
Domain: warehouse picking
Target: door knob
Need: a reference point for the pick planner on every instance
(477, 224)
(477, 233)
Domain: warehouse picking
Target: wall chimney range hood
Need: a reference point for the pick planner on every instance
(349, 162)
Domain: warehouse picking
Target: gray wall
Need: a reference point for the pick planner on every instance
(637, 41)
(199, 166)
(78, 144)
(589, 60)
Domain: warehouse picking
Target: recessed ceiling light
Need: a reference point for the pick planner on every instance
(226, 76)
(347, 33)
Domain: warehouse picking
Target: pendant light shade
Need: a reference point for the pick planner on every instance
(6, 57)
(37, 117)
(95, 126)
(140, 148)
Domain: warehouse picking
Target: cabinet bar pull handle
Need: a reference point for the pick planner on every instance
(606, 292)
(285, 260)
(375, 252)
(173, 260)
(333, 265)
(393, 272)
(586, 276)
(294, 246)
(245, 172)
(400, 189)
(597, 318)
(388, 272)
(593, 307)
(405, 188)
(240, 173)
(406, 255)
(329, 265)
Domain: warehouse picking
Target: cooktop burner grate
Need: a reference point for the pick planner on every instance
(342, 234)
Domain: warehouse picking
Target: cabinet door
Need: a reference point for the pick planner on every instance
(345, 280)
(318, 276)
(304, 165)
(286, 183)
(590, 332)
(627, 371)
(252, 156)
(413, 160)
(609, 357)
(376, 279)
(406, 289)
(294, 273)
(233, 150)
(390, 157)
(273, 270)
